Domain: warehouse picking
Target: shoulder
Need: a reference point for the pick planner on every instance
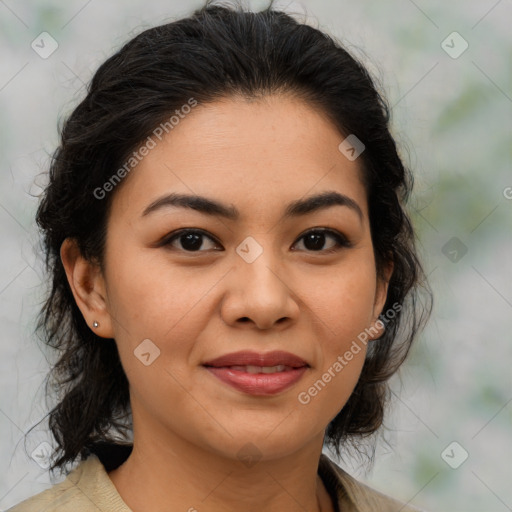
(361, 497)
(56, 497)
(86, 489)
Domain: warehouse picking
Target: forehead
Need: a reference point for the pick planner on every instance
(257, 154)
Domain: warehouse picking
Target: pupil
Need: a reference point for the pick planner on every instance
(316, 238)
(192, 241)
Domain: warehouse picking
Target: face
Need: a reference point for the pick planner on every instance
(184, 286)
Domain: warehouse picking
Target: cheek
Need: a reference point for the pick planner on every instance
(327, 392)
(151, 298)
(345, 304)
(344, 307)
(345, 312)
(169, 305)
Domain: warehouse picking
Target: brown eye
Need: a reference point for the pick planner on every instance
(191, 240)
(315, 240)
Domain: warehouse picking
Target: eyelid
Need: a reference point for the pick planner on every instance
(167, 239)
(341, 239)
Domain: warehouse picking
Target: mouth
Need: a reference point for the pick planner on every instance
(260, 369)
(258, 374)
(246, 358)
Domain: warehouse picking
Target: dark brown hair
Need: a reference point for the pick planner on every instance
(217, 52)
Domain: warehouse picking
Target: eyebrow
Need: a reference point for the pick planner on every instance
(212, 207)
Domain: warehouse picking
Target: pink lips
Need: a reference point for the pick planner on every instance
(258, 374)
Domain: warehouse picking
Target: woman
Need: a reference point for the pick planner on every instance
(234, 276)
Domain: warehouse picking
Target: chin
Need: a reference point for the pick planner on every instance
(251, 444)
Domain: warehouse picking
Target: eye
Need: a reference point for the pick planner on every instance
(191, 240)
(314, 240)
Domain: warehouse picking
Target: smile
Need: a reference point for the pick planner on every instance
(262, 369)
(258, 380)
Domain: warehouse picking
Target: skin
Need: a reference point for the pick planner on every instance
(194, 306)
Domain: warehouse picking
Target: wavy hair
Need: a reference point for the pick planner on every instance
(217, 52)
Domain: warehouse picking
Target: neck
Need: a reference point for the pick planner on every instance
(194, 480)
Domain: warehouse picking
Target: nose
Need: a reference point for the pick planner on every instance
(259, 293)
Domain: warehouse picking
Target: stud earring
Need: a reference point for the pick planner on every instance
(95, 324)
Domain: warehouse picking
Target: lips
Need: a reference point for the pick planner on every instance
(258, 374)
(247, 358)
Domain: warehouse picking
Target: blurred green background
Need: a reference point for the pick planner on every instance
(446, 69)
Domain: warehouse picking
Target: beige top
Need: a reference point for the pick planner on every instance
(88, 488)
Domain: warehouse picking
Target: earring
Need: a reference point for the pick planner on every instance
(95, 324)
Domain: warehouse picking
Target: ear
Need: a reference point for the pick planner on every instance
(381, 294)
(88, 286)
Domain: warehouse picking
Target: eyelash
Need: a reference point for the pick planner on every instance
(341, 240)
